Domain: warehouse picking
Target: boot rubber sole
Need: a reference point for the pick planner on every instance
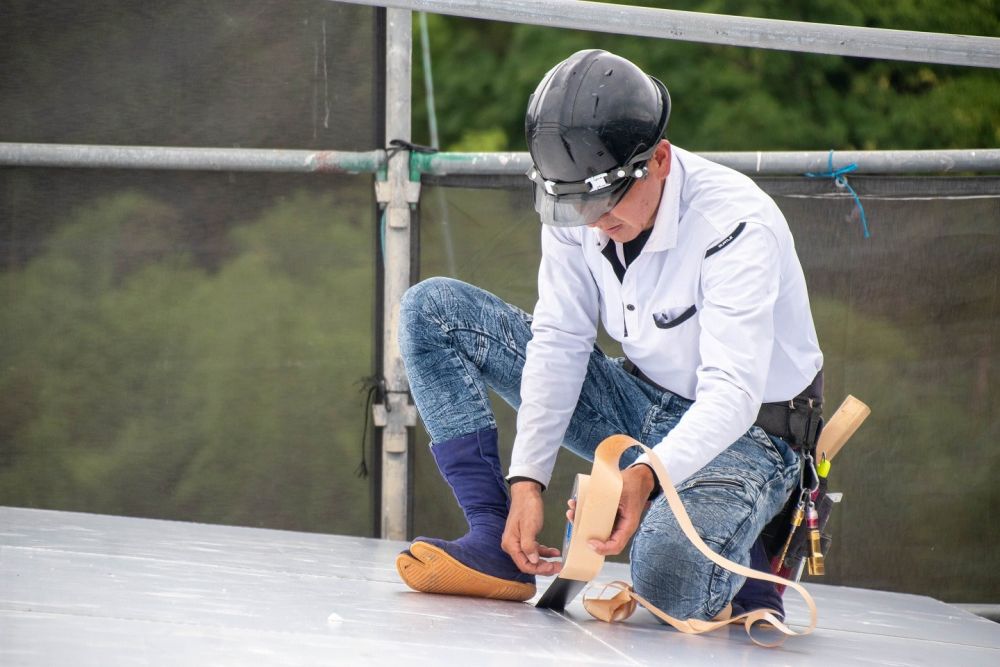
(429, 569)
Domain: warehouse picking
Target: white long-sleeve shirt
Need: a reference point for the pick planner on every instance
(750, 338)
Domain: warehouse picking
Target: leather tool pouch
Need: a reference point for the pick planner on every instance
(798, 422)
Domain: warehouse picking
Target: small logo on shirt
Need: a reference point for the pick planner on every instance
(726, 241)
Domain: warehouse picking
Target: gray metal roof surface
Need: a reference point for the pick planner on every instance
(83, 589)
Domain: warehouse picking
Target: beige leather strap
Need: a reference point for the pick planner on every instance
(604, 491)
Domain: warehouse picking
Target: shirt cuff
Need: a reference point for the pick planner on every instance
(531, 472)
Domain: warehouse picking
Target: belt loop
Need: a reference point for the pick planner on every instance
(790, 420)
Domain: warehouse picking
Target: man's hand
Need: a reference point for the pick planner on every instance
(524, 522)
(637, 484)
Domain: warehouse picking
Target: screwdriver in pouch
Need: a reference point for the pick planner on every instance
(815, 560)
(797, 517)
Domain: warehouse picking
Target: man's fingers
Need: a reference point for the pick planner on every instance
(531, 553)
(547, 568)
(521, 561)
(525, 553)
(620, 535)
(541, 567)
(513, 549)
(511, 545)
(547, 552)
(530, 548)
(508, 542)
(626, 520)
(608, 548)
(520, 535)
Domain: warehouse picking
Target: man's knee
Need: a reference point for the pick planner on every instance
(673, 575)
(426, 303)
(427, 296)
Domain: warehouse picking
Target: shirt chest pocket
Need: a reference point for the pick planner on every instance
(672, 317)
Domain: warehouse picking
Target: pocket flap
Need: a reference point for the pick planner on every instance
(666, 321)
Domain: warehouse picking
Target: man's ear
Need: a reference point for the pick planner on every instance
(660, 163)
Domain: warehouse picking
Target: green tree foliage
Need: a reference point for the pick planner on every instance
(729, 98)
(144, 385)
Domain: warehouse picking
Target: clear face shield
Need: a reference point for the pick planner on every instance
(584, 202)
(575, 210)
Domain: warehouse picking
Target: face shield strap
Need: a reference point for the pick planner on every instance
(598, 184)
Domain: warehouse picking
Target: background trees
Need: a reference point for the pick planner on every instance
(729, 98)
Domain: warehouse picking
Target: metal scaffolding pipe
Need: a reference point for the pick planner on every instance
(868, 162)
(773, 163)
(189, 159)
(839, 40)
(976, 160)
(396, 415)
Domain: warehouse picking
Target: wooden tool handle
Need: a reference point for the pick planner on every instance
(845, 421)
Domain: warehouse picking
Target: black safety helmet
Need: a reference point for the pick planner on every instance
(591, 125)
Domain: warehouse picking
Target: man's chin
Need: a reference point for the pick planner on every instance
(615, 231)
(622, 235)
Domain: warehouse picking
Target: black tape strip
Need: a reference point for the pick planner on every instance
(726, 241)
(560, 593)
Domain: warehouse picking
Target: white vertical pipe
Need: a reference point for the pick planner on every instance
(398, 413)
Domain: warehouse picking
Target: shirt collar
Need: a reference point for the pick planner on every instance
(664, 236)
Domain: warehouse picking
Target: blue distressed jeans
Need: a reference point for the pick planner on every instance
(458, 340)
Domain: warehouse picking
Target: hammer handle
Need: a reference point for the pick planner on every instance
(845, 421)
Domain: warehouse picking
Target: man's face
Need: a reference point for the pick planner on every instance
(637, 209)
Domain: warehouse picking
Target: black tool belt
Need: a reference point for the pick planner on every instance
(798, 421)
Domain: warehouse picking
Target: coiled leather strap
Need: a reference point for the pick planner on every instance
(604, 490)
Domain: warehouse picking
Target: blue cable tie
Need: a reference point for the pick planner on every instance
(839, 177)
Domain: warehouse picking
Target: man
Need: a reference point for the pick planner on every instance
(693, 270)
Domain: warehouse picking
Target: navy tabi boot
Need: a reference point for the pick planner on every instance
(474, 564)
(757, 594)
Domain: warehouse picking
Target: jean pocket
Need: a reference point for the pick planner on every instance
(769, 446)
(721, 488)
(711, 482)
(659, 420)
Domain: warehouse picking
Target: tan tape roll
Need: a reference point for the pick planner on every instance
(597, 503)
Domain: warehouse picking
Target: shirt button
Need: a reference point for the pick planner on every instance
(630, 307)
